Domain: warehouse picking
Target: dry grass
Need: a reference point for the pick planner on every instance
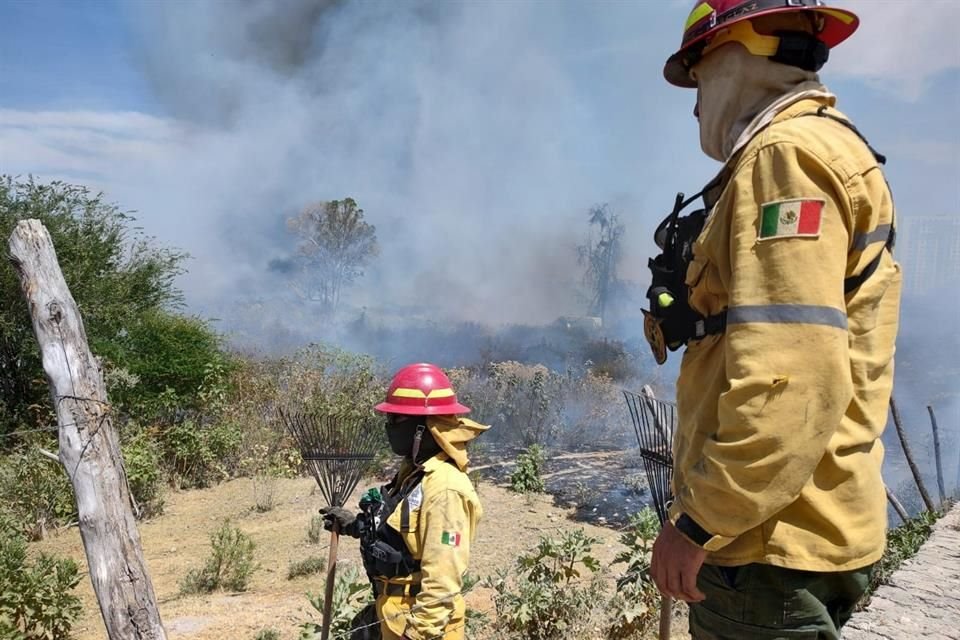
(179, 540)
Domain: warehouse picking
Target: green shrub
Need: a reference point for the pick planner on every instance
(306, 567)
(527, 477)
(167, 354)
(267, 634)
(36, 491)
(201, 455)
(142, 459)
(550, 597)
(350, 595)
(36, 599)
(229, 566)
(634, 607)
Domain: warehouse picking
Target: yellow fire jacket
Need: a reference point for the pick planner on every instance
(778, 453)
(443, 514)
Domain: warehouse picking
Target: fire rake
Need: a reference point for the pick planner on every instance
(655, 423)
(337, 450)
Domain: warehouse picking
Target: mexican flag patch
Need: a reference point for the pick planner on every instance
(791, 219)
(450, 538)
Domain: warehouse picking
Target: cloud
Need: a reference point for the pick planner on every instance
(901, 46)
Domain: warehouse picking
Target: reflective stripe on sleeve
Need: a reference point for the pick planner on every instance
(788, 314)
(862, 240)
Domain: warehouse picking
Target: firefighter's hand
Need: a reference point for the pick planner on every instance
(346, 521)
(675, 564)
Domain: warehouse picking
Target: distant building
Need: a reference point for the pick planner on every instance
(928, 247)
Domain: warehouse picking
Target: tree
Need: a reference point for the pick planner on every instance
(600, 256)
(335, 244)
(123, 283)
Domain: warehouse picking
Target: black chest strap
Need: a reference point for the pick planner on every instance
(717, 324)
(853, 283)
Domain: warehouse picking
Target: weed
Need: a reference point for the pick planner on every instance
(264, 492)
(636, 484)
(229, 566)
(583, 494)
(476, 621)
(200, 455)
(306, 567)
(36, 599)
(315, 530)
(36, 491)
(528, 476)
(142, 461)
(350, 596)
(635, 605)
(902, 544)
(267, 634)
(550, 596)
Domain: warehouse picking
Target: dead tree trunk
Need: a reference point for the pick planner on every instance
(89, 449)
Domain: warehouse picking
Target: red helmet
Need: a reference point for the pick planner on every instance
(710, 16)
(421, 390)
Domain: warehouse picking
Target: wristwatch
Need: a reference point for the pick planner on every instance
(699, 536)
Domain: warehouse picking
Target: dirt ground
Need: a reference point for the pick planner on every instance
(179, 540)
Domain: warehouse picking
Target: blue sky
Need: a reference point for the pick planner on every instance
(473, 135)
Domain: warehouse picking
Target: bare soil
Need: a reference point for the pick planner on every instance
(180, 540)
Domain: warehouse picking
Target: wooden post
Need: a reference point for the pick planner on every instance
(936, 455)
(89, 449)
(898, 423)
(897, 506)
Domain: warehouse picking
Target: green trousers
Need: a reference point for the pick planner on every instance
(763, 602)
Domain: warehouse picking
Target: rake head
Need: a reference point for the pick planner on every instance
(336, 449)
(655, 423)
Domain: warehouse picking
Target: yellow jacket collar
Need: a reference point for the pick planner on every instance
(453, 434)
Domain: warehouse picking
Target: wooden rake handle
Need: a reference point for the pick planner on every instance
(666, 614)
(331, 577)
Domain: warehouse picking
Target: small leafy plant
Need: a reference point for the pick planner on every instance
(350, 596)
(635, 605)
(554, 592)
(229, 566)
(36, 597)
(528, 476)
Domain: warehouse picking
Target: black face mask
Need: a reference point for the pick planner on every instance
(401, 431)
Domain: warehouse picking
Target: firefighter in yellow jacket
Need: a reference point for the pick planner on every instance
(416, 532)
(787, 303)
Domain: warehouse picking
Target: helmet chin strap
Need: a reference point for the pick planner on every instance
(417, 439)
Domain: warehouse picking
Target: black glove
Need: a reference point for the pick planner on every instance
(345, 520)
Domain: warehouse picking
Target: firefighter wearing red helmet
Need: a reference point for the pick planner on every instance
(416, 531)
(785, 294)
